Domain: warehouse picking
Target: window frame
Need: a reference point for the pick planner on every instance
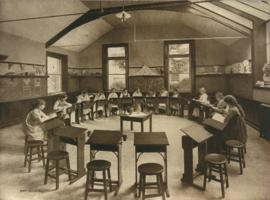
(191, 56)
(64, 66)
(105, 61)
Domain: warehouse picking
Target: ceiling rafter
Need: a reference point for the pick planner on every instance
(253, 18)
(243, 10)
(222, 20)
(227, 15)
(96, 13)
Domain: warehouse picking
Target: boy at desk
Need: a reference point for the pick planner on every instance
(32, 125)
(113, 107)
(61, 105)
(100, 109)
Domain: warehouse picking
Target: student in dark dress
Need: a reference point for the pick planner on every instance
(236, 126)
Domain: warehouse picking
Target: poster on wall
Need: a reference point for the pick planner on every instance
(26, 87)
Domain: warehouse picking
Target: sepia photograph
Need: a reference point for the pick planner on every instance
(134, 99)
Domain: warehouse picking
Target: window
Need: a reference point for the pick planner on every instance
(54, 69)
(178, 63)
(115, 66)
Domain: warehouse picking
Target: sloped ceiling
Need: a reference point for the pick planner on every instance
(44, 28)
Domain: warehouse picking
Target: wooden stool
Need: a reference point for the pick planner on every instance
(56, 156)
(92, 167)
(237, 156)
(151, 169)
(216, 163)
(29, 147)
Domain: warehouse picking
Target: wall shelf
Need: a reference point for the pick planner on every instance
(85, 76)
(18, 76)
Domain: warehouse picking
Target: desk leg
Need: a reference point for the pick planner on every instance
(121, 126)
(142, 127)
(187, 146)
(136, 181)
(131, 125)
(80, 156)
(166, 174)
(119, 169)
(150, 123)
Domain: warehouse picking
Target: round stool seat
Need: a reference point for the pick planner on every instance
(98, 165)
(150, 168)
(34, 142)
(57, 155)
(234, 143)
(215, 158)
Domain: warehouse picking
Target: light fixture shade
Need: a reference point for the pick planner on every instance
(123, 16)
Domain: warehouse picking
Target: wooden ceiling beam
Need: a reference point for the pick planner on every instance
(97, 13)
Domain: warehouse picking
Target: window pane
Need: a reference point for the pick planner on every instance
(182, 82)
(179, 65)
(117, 81)
(54, 83)
(176, 49)
(54, 65)
(117, 66)
(116, 52)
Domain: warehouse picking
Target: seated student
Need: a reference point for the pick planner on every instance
(61, 105)
(137, 93)
(236, 126)
(163, 106)
(124, 93)
(150, 106)
(203, 99)
(113, 107)
(125, 106)
(32, 125)
(174, 107)
(101, 108)
(82, 98)
(220, 106)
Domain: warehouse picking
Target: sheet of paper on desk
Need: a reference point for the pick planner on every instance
(52, 115)
(218, 117)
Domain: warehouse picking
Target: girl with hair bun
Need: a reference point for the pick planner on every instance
(235, 119)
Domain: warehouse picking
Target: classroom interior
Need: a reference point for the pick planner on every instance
(69, 49)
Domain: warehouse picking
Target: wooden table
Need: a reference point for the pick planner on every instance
(141, 118)
(155, 142)
(70, 135)
(106, 140)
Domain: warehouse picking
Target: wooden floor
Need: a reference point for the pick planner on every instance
(17, 184)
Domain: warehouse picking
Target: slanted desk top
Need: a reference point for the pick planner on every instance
(214, 124)
(153, 139)
(197, 133)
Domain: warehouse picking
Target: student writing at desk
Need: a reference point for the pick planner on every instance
(100, 107)
(112, 106)
(137, 93)
(220, 106)
(83, 97)
(61, 105)
(203, 99)
(32, 125)
(163, 106)
(235, 118)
